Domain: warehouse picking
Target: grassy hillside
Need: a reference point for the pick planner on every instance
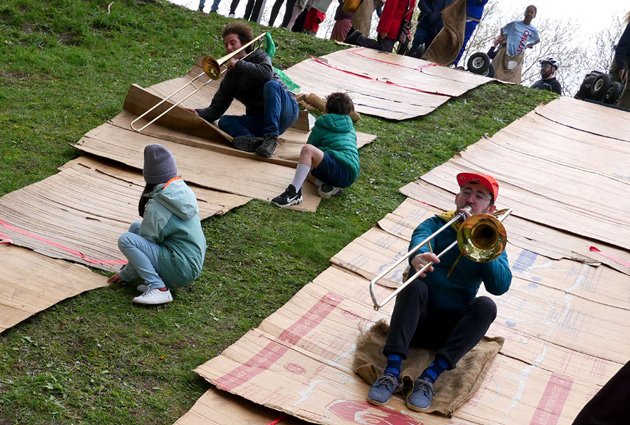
(65, 66)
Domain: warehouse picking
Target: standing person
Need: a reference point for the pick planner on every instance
(270, 107)
(330, 158)
(213, 8)
(343, 23)
(548, 68)
(440, 309)
(390, 26)
(252, 10)
(315, 16)
(429, 25)
(622, 64)
(513, 39)
(167, 248)
(474, 12)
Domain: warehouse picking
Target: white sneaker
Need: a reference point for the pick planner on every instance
(231, 15)
(154, 297)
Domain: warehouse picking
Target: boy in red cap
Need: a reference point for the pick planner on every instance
(440, 310)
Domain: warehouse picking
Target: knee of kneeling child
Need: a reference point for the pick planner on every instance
(487, 306)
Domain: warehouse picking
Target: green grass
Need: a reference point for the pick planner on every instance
(65, 67)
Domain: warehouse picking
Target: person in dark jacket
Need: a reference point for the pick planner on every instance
(270, 107)
(330, 159)
(548, 68)
(440, 309)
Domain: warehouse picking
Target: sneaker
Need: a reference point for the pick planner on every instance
(231, 15)
(289, 197)
(267, 147)
(153, 297)
(142, 288)
(420, 398)
(246, 143)
(382, 389)
(327, 191)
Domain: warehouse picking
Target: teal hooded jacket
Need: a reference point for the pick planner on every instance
(171, 219)
(455, 280)
(335, 134)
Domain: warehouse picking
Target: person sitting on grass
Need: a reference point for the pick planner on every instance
(167, 248)
(330, 159)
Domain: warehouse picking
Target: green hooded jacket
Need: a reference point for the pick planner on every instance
(335, 134)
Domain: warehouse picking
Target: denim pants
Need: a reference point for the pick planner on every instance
(453, 333)
(280, 112)
(215, 5)
(142, 257)
(422, 36)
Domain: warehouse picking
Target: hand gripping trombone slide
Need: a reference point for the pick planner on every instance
(211, 67)
(481, 238)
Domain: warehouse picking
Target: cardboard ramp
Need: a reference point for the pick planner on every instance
(79, 213)
(31, 282)
(383, 84)
(564, 320)
(203, 152)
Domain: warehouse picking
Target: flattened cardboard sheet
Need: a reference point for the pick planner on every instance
(32, 282)
(382, 84)
(79, 213)
(221, 408)
(207, 168)
(588, 117)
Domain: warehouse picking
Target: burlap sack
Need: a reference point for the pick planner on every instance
(446, 45)
(453, 388)
(508, 68)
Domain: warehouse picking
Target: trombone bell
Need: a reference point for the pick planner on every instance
(481, 238)
(211, 67)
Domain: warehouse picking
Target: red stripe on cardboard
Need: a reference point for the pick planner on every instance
(552, 401)
(273, 350)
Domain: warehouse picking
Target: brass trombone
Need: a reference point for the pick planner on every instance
(211, 67)
(481, 238)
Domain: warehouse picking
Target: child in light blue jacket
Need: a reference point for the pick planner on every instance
(167, 248)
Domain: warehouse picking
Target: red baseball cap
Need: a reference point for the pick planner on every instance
(485, 180)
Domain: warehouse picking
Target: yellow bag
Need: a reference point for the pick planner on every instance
(351, 6)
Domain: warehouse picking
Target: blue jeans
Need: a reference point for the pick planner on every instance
(280, 111)
(422, 36)
(142, 257)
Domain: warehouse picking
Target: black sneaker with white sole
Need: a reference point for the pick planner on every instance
(289, 197)
(327, 191)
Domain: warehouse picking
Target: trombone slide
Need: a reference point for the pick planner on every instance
(484, 250)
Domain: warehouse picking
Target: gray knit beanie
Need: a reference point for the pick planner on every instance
(159, 164)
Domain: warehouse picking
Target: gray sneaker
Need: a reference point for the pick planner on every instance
(327, 191)
(247, 143)
(420, 398)
(382, 389)
(267, 147)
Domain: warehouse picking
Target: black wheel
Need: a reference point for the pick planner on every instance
(600, 87)
(489, 72)
(613, 93)
(478, 63)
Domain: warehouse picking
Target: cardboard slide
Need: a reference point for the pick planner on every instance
(565, 319)
(31, 282)
(79, 213)
(383, 84)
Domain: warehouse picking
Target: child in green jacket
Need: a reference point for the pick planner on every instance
(167, 248)
(330, 159)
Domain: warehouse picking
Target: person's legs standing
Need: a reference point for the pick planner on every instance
(215, 6)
